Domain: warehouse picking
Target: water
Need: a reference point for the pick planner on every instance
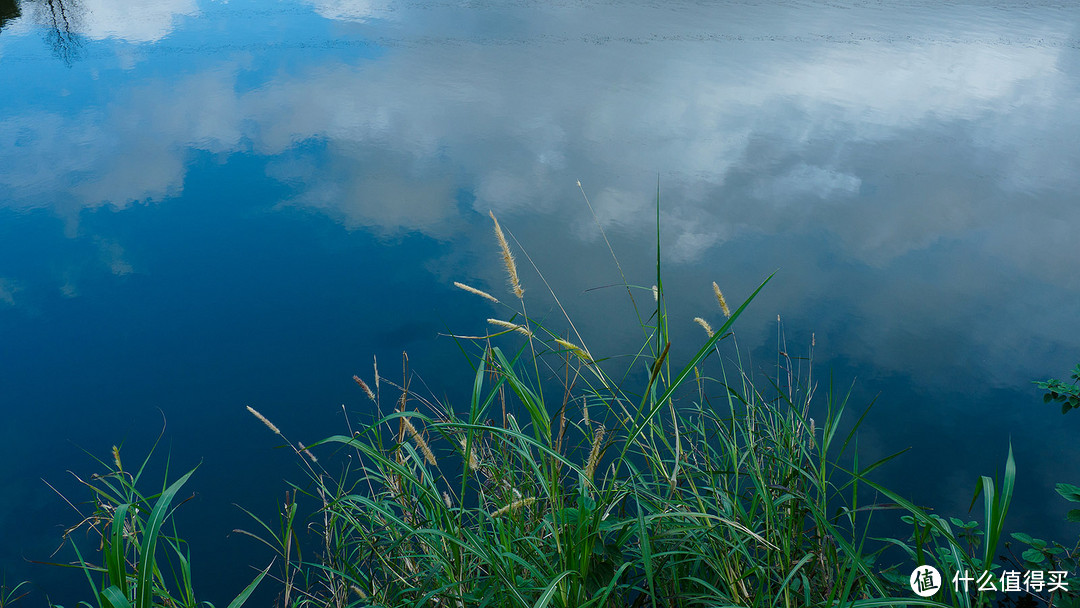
(207, 205)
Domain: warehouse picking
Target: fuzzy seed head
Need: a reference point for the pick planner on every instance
(269, 425)
(475, 291)
(577, 350)
(594, 453)
(363, 385)
(704, 325)
(508, 259)
(307, 452)
(474, 462)
(517, 504)
(720, 300)
(521, 329)
(418, 440)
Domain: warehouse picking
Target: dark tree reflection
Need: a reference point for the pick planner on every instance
(61, 20)
(9, 11)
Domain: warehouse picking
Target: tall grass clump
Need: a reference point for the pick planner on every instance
(575, 481)
(561, 483)
(142, 562)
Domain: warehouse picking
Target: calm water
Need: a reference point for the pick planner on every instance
(206, 205)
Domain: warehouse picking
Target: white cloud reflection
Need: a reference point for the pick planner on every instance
(759, 119)
(351, 10)
(134, 20)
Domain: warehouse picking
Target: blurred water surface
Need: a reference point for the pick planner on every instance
(206, 205)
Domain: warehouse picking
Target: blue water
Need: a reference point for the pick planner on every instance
(209, 205)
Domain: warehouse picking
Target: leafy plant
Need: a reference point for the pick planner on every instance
(1066, 394)
(130, 527)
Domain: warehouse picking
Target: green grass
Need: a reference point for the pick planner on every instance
(141, 565)
(574, 481)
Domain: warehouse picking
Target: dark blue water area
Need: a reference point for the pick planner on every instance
(219, 303)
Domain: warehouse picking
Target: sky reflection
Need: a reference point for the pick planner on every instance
(910, 170)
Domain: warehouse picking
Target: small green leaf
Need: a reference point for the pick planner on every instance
(1034, 556)
(114, 598)
(1024, 538)
(957, 522)
(1073, 516)
(1068, 492)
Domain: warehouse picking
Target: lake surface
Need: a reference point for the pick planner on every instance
(208, 205)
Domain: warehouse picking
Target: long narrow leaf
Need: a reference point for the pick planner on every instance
(147, 566)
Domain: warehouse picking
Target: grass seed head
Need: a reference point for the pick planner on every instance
(307, 452)
(720, 299)
(269, 425)
(704, 325)
(363, 385)
(418, 439)
(508, 259)
(577, 350)
(475, 291)
(517, 504)
(474, 462)
(521, 329)
(594, 453)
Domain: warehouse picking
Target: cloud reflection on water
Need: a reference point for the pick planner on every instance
(938, 131)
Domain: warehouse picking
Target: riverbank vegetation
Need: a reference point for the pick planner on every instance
(573, 480)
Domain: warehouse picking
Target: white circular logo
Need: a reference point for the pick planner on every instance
(925, 581)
